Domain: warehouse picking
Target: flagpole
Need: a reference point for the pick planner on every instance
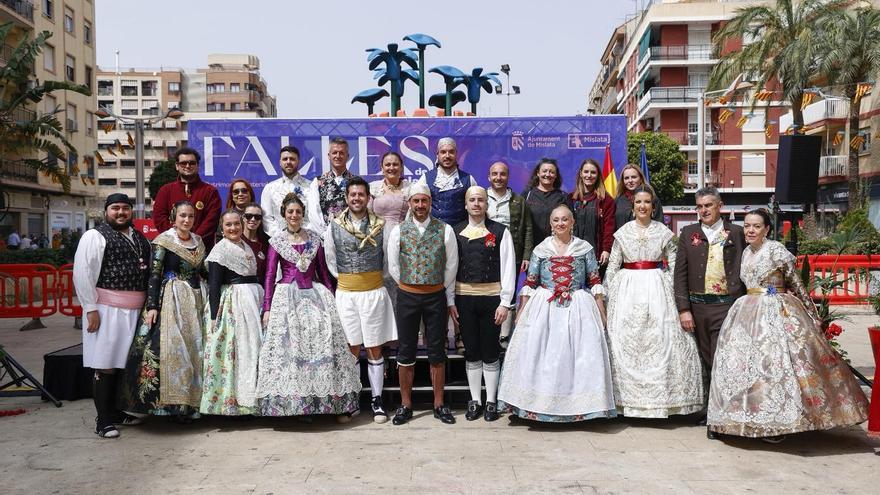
(701, 139)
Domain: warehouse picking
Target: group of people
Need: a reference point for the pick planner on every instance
(616, 315)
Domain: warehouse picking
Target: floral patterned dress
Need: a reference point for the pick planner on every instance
(774, 371)
(163, 375)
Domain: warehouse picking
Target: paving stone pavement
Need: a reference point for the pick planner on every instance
(54, 450)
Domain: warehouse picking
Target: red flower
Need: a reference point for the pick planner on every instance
(490, 240)
(833, 331)
(696, 240)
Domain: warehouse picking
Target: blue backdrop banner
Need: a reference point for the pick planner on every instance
(249, 148)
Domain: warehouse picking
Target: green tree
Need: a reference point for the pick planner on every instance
(783, 46)
(25, 133)
(851, 55)
(163, 173)
(665, 162)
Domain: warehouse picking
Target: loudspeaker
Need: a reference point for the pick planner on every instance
(797, 169)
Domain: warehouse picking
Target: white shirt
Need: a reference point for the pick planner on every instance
(499, 208)
(444, 181)
(508, 266)
(711, 231)
(313, 205)
(330, 246)
(272, 196)
(393, 256)
(87, 267)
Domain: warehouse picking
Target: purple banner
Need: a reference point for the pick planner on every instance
(249, 148)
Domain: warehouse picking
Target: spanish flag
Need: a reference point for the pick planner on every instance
(609, 176)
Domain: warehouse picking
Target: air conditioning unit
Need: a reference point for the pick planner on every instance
(71, 125)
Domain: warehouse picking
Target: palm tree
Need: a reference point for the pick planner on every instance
(452, 77)
(369, 97)
(23, 132)
(852, 41)
(438, 100)
(393, 60)
(477, 81)
(422, 41)
(784, 47)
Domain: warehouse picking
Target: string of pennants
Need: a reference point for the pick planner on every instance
(766, 95)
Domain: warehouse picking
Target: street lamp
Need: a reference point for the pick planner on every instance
(139, 122)
(737, 85)
(505, 68)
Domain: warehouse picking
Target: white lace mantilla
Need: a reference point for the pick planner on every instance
(302, 261)
(238, 257)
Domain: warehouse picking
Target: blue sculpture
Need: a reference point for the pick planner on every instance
(393, 59)
(452, 77)
(439, 99)
(477, 81)
(422, 41)
(370, 97)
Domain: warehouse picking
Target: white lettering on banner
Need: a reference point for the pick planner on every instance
(210, 155)
(306, 167)
(262, 157)
(414, 155)
(363, 155)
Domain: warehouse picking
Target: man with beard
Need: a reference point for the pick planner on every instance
(189, 187)
(353, 248)
(423, 260)
(110, 274)
(326, 196)
(291, 181)
(448, 183)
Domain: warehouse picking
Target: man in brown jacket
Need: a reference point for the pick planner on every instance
(707, 273)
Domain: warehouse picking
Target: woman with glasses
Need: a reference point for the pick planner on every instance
(253, 234)
(240, 193)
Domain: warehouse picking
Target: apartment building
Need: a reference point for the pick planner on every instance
(656, 67)
(229, 87)
(35, 205)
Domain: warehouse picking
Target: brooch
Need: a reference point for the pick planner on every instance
(490, 240)
(696, 240)
(199, 205)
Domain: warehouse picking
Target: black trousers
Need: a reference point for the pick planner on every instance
(480, 334)
(411, 310)
(708, 319)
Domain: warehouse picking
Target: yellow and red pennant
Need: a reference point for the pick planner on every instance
(763, 95)
(724, 115)
(838, 138)
(861, 90)
(807, 99)
(856, 142)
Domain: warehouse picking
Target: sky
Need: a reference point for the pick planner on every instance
(312, 53)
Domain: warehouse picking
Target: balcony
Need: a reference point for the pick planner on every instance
(833, 166)
(673, 94)
(711, 178)
(23, 8)
(818, 112)
(5, 52)
(685, 138)
(17, 170)
(676, 53)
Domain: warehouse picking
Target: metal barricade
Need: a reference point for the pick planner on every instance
(66, 292)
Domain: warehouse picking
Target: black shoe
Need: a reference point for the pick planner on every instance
(702, 421)
(774, 439)
(379, 414)
(491, 412)
(474, 411)
(444, 414)
(711, 435)
(107, 431)
(124, 419)
(402, 415)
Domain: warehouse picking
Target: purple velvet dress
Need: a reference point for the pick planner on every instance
(305, 364)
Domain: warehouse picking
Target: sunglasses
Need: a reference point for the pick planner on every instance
(188, 162)
(253, 216)
(241, 191)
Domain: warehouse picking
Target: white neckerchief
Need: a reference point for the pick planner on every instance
(712, 231)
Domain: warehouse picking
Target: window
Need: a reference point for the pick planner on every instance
(88, 76)
(149, 88)
(106, 105)
(215, 107)
(234, 88)
(127, 183)
(129, 107)
(107, 182)
(87, 32)
(49, 58)
(108, 164)
(70, 68)
(865, 133)
(174, 87)
(755, 123)
(89, 166)
(68, 20)
(235, 107)
(90, 124)
(72, 158)
(51, 103)
(127, 164)
(753, 163)
(129, 88)
(105, 87)
(150, 107)
(71, 118)
(49, 9)
(216, 88)
(693, 169)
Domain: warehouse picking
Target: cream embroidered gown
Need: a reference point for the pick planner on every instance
(655, 365)
(774, 371)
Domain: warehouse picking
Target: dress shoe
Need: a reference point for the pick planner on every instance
(474, 410)
(402, 415)
(702, 421)
(711, 435)
(774, 439)
(491, 412)
(444, 414)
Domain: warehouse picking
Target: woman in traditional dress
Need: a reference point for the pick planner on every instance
(389, 202)
(240, 194)
(164, 369)
(255, 237)
(542, 195)
(232, 341)
(774, 372)
(556, 368)
(305, 364)
(631, 180)
(654, 362)
(593, 210)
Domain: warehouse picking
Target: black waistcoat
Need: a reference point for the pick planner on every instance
(477, 262)
(125, 266)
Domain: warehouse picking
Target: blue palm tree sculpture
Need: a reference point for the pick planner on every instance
(477, 81)
(393, 59)
(369, 97)
(422, 41)
(452, 77)
(438, 100)
(381, 75)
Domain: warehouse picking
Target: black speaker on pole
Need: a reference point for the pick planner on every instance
(797, 169)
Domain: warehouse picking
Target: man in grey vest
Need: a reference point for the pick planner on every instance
(354, 253)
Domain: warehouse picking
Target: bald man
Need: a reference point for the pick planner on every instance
(448, 183)
(484, 288)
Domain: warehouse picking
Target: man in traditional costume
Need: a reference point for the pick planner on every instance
(706, 277)
(110, 274)
(423, 260)
(326, 196)
(291, 181)
(354, 252)
(484, 288)
(189, 187)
